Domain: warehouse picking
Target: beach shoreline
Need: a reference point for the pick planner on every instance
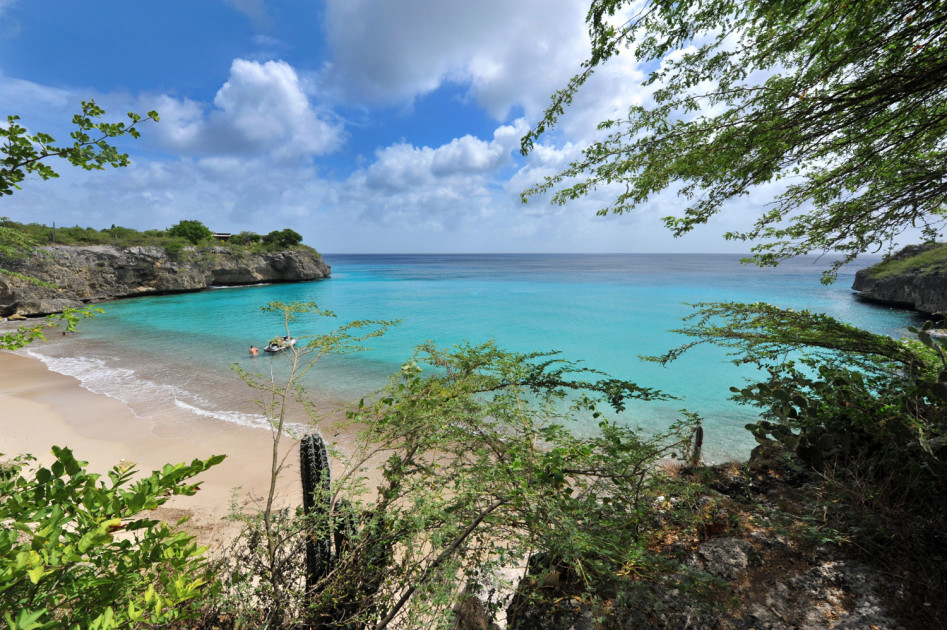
(41, 408)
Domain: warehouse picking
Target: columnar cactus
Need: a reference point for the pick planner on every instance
(314, 468)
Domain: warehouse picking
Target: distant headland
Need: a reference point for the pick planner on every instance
(914, 277)
(44, 277)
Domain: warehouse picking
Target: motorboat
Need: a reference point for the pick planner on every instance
(279, 344)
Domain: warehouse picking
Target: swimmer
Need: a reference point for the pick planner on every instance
(253, 351)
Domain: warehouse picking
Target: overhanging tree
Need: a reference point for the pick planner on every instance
(22, 154)
(846, 102)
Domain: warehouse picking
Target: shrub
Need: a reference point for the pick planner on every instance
(245, 238)
(283, 238)
(191, 230)
(174, 250)
(478, 471)
(74, 552)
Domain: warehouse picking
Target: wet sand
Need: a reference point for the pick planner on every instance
(40, 408)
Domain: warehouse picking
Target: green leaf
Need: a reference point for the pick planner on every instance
(36, 573)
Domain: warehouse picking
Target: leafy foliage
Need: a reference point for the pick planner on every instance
(832, 390)
(246, 238)
(191, 230)
(276, 583)
(862, 416)
(76, 551)
(282, 238)
(764, 334)
(25, 153)
(481, 471)
(842, 102)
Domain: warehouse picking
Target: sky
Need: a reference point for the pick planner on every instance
(368, 126)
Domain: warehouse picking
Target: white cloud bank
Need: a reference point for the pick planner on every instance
(262, 108)
(508, 53)
(260, 155)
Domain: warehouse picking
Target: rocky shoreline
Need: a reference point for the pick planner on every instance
(911, 278)
(74, 276)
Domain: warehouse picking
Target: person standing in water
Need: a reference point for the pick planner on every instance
(253, 351)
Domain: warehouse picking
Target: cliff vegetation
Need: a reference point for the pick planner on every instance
(183, 233)
(53, 269)
(914, 277)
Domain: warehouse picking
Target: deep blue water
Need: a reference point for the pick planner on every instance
(602, 309)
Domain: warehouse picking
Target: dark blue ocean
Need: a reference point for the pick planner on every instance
(605, 310)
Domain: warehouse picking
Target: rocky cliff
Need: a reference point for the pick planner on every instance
(78, 275)
(915, 277)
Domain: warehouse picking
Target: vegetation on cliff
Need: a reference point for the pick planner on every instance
(25, 236)
(930, 258)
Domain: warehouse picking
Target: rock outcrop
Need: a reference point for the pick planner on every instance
(78, 275)
(899, 281)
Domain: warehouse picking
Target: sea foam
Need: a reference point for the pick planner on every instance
(143, 397)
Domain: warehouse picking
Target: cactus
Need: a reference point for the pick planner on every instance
(357, 578)
(314, 468)
(344, 527)
(697, 446)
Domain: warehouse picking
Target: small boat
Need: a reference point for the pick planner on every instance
(279, 344)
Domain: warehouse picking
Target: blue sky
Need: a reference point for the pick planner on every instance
(365, 125)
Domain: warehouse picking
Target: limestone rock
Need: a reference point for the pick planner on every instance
(78, 275)
(833, 595)
(924, 289)
(725, 558)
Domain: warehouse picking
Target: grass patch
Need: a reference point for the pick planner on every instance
(933, 260)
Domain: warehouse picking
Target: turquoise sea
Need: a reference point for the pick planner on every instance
(605, 310)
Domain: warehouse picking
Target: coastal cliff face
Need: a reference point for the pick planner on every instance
(915, 277)
(79, 275)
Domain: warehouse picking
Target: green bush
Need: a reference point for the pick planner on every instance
(245, 238)
(479, 469)
(192, 230)
(282, 238)
(75, 551)
(174, 250)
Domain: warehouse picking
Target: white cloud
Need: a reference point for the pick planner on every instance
(403, 167)
(246, 160)
(510, 53)
(262, 108)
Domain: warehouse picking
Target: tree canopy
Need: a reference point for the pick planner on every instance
(190, 229)
(845, 102)
(283, 238)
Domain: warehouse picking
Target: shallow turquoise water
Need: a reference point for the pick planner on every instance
(603, 309)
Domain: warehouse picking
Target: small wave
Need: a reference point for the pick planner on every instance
(92, 374)
(253, 420)
(139, 395)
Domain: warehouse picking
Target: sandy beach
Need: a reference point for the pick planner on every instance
(40, 408)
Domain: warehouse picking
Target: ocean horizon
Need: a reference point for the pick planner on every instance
(602, 309)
